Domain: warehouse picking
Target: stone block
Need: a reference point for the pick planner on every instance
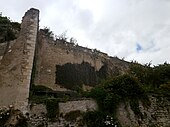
(82, 105)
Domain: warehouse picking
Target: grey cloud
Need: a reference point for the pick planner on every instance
(122, 23)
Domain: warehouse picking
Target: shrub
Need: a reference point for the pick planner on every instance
(52, 107)
(120, 88)
(71, 116)
(94, 119)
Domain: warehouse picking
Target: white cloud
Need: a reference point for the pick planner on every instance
(112, 26)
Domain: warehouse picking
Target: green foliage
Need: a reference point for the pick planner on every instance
(94, 119)
(71, 116)
(151, 78)
(50, 102)
(99, 93)
(125, 86)
(161, 74)
(134, 104)
(36, 88)
(52, 107)
(116, 90)
(48, 32)
(8, 29)
(37, 98)
(142, 73)
(132, 87)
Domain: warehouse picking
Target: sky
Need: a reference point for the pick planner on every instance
(133, 30)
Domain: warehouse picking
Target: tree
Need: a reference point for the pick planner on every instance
(8, 29)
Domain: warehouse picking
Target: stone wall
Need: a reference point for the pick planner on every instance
(16, 65)
(51, 53)
(81, 105)
(4, 47)
(156, 115)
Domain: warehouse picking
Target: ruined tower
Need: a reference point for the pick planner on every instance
(16, 65)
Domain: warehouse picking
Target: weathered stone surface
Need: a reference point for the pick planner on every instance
(157, 114)
(81, 105)
(16, 65)
(51, 53)
(38, 109)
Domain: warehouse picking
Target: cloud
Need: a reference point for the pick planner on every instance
(146, 22)
(112, 26)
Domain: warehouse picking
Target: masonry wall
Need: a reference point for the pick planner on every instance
(4, 47)
(52, 53)
(16, 65)
(80, 105)
(156, 115)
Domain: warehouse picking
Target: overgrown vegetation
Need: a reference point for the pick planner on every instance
(52, 107)
(8, 29)
(43, 95)
(94, 119)
(50, 101)
(153, 79)
(131, 87)
(71, 116)
(119, 89)
(62, 37)
(48, 32)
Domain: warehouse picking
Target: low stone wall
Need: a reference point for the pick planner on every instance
(81, 105)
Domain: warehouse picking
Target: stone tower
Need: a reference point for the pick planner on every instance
(16, 65)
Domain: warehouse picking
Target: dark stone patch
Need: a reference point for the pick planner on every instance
(71, 75)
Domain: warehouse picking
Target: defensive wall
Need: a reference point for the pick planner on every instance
(16, 64)
(17, 71)
(51, 53)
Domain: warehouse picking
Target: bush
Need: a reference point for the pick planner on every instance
(8, 29)
(52, 107)
(71, 116)
(120, 88)
(94, 119)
